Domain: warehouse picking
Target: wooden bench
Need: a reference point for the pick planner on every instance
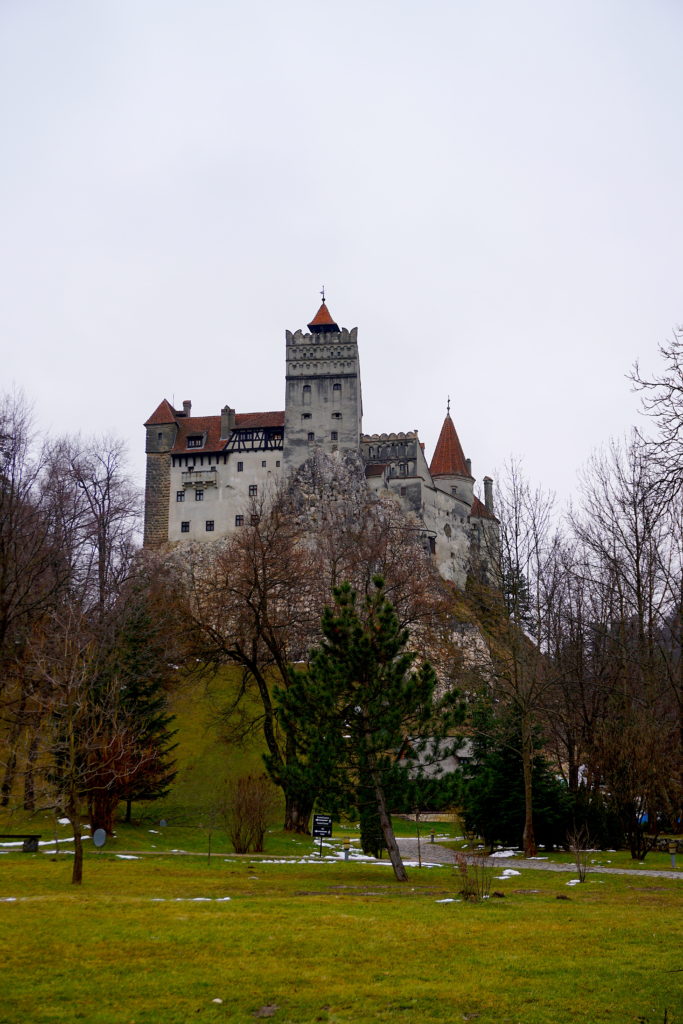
(30, 841)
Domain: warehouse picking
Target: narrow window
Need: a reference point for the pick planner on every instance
(336, 415)
(239, 520)
(253, 490)
(185, 527)
(305, 416)
(403, 492)
(209, 525)
(263, 463)
(307, 394)
(180, 495)
(277, 464)
(311, 436)
(195, 441)
(240, 467)
(336, 393)
(334, 435)
(159, 436)
(199, 495)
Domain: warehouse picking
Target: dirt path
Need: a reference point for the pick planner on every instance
(433, 853)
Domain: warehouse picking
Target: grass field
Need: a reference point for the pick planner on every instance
(155, 941)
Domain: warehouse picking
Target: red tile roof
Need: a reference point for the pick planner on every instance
(480, 510)
(164, 413)
(449, 458)
(210, 428)
(323, 319)
(375, 469)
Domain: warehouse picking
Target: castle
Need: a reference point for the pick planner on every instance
(203, 472)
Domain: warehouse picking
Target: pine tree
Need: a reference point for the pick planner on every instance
(359, 700)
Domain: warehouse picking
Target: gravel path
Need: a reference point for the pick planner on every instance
(433, 853)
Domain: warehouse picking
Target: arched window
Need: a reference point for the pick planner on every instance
(336, 393)
(307, 394)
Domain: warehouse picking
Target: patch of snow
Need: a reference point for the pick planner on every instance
(508, 873)
(154, 831)
(62, 821)
(127, 856)
(574, 881)
(538, 858)
(504, 853)
(8, 899)
(216, 1000)
(448, 900)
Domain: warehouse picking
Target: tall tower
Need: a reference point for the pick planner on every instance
(323, 402)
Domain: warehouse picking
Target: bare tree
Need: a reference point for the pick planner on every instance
(662, 398)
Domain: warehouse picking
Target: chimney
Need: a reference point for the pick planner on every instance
(227, 422)
(488, 493)
(187, 407)
(468, 466)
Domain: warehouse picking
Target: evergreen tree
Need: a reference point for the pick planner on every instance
(356, 705)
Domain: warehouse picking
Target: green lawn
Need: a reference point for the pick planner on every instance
(333, 943)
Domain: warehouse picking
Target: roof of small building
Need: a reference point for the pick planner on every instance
(322, 322)
(480, 510)
(376, 469)
(449, 458)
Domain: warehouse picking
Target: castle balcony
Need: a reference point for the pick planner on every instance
(200, 477)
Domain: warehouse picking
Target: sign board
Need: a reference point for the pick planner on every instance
(322, 826)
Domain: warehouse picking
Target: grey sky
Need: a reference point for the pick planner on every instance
(489, 191)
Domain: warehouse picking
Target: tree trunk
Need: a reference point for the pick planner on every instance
(297, 813)
(29, 776)
(77, 873)
(528, 836)
(129, 805)
(387, 830)
(102, 808)
(12, 746)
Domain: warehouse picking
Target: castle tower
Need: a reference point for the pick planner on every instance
(323, 402)
(161, 430)
(449, 468)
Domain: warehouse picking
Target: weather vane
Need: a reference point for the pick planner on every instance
(448, 406)
(322, 292)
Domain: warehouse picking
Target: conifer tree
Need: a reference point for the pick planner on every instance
(357, 703)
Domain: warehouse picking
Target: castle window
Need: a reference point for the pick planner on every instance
(199, 495)
(336, 415)
(195, 441)
(305, 416)
(159, 436)
(253, 490)
(277, 464)
(209, 525)
(180, 495)
(336, 393)
(402, 468)
(403, 492)
(311, 436)
(240, 467)
(263, 463)
(239, 520)
(447, 530)
(307, 394)
(334, 435)
(185, 527)
(454, 490)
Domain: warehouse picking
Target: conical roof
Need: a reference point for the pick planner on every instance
(449, 458)
(164, 413)
(322, 322)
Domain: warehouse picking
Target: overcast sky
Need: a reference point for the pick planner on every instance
(491, 192)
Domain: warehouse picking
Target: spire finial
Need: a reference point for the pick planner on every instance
(322, 292)
(448, 406)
